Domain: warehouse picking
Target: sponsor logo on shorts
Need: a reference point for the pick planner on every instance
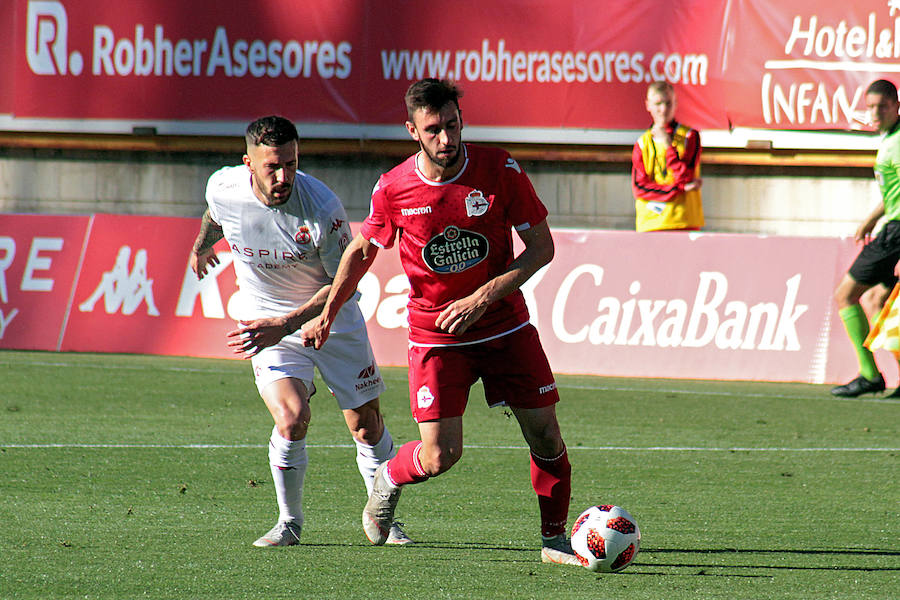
(367, 378)
(547, 388)
(424, 397)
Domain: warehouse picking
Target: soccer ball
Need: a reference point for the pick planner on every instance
(606, 538)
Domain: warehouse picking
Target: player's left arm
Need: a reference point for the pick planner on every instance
(252, 336)
(684, 167)
(539, 249)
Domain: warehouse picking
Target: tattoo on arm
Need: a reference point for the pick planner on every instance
(210, 233)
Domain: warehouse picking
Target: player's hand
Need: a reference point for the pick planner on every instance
(460, 315)
(864, 233)
(252, 336)
(202, 260)
(315, 332)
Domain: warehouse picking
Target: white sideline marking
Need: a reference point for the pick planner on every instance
(598, 388)
(468, 447)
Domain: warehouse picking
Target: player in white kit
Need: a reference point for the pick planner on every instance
(287, 231)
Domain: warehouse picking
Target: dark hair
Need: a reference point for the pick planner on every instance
(431, 94)
(883, 87)
(271, 131)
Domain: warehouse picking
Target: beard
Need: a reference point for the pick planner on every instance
(445, 161)
(277, 195)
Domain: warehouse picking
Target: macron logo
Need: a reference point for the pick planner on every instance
(419, 210)
(512, 164)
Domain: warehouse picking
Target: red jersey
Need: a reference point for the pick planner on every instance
(455, 235)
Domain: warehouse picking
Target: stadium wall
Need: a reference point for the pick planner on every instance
(743, 192)
(680, 305)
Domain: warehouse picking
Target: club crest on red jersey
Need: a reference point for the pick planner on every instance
(455, 250)
(476, 204)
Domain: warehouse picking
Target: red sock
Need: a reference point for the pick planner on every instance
(552, 481)
(405, 467)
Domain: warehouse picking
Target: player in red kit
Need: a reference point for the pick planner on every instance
(454, 207)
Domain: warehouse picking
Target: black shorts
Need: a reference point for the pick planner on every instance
(875, 263)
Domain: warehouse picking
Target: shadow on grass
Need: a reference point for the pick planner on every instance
(519, 554)
(837, 552)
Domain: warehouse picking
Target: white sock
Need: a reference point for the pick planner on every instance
(369, 457)
(287, 460)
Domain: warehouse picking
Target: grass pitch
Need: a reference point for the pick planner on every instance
(147, 477)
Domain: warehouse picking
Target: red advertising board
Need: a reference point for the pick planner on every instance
(39, 263)
(528, 68)
(681, 305)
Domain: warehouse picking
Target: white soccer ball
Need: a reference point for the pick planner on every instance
(606, 538)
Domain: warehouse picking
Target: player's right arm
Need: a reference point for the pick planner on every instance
(202, 254)
(864, 231)
(355, 262)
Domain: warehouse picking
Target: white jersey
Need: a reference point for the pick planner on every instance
(283, 254)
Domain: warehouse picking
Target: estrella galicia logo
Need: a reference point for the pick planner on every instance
(455, 250)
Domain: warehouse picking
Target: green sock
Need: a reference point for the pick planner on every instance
(857, 326)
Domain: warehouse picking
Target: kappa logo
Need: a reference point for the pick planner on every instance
(424, 397)
(336, 225)
(121, 289)
(367, 372)
(476, 204)
(46, 40)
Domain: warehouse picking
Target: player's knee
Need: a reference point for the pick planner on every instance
(293, 425)
(546, 441)
(366, 424)
(438, 460)
(369, 436)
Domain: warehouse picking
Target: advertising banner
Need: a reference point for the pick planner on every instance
(532, 70)
(40, 258)
(680, 305)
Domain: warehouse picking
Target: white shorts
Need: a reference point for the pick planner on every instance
(345, 362)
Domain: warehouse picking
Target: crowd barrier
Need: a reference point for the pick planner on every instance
(674, 305)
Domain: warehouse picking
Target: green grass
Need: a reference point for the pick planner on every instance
(147, 477)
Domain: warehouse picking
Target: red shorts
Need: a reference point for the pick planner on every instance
(513, 369)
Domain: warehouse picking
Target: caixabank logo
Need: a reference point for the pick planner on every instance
(128, 48)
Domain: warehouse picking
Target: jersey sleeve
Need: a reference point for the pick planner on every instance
(212, 186)
(684, 167)
(378, 227)
(526, 209)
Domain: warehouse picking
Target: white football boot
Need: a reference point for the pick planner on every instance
(285, 533)
(558, 550)
(397, 537)
(378, 515)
